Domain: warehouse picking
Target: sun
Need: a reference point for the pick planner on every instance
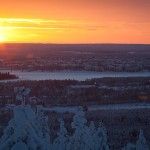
(2, 38)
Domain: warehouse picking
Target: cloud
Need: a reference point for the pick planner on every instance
(45, 24)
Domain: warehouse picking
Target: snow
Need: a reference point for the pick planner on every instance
(21, 94)
(29, 129)
(74, 109)
(61, 142)
(127, 106)
(76, 75)
(108, 107)
(25, 130)
(141, 143)
(20, 146)
(83, 138)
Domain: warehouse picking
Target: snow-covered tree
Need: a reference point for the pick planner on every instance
(141, 143)
(21, 94)
(101, 138)
(87, 137)
(79, 139)
(129, 146)
(92, 134)
(61, 142)
(19, 146)
(24, 129)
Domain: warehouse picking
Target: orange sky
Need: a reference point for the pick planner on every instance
(75, 21)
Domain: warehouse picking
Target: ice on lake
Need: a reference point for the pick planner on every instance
(73, 75)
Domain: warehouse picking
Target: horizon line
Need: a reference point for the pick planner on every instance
(88, 43)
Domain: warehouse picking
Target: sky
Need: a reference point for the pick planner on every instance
(75, 21)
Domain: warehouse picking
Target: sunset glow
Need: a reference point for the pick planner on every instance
(2, 38)
(67, 21)
(2, 35)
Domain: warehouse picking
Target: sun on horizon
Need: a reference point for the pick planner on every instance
(3, 35)
(2, 38)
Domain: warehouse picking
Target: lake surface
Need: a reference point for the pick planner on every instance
(76, 75)
(108, 107)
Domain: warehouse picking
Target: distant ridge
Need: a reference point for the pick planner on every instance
(78, 47)
(74, 43)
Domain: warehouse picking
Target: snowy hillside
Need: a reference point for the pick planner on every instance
(29, 130)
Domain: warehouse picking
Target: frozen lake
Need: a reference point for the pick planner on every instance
(76, 75)
(108, 107)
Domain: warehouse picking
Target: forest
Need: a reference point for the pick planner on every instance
(7, 76)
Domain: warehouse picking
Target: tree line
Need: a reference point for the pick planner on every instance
(6, 76)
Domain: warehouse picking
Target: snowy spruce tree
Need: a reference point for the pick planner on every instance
(26, 130)
(129, 146)
(97, 137)
(21, 94)
(101, 138)
(80, 137)
(141, 144)
(87, 137)
(61, 142)
(91, 133)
